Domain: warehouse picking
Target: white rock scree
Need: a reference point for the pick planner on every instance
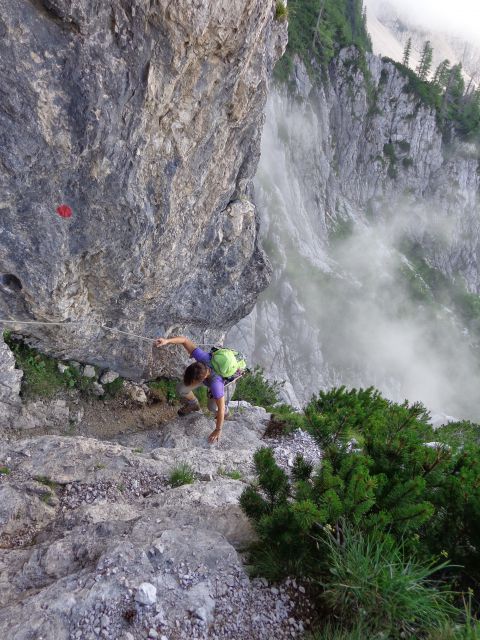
(94, 543)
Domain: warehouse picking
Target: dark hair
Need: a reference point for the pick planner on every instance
(194, 373)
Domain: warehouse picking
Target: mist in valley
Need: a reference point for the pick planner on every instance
(352, 300)
(462, 21)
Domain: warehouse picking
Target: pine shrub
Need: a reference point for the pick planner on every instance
(254, 388)
(384, 469)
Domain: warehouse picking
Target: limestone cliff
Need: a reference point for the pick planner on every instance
(145, 119)
(355, 155)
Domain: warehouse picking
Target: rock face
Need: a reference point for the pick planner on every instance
(10, 379)
(346, 155)
(144, 118)
(391, 158)
(94, 542)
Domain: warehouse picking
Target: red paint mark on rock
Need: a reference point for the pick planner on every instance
(64, 211)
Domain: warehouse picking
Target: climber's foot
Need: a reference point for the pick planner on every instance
(188, 407)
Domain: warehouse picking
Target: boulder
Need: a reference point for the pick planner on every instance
(108, 377)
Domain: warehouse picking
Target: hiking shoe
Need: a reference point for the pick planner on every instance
(188, 407)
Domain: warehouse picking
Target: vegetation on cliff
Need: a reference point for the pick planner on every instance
(42, 377)
(318, 29)
(394, 503)
(429, 286)
(457, 106)
(254, 388)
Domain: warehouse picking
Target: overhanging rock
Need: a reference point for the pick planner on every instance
(145, 119)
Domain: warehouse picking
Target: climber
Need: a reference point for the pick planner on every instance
(196, 374)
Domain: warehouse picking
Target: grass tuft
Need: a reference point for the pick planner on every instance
(281, 11)
(163, 389)
(371, 581)
(333, 632)
(48, 482)
(47, 498)
(182, 474)
(234, 474)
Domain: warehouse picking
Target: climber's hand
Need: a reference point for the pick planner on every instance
(215, 436)
(161, 342)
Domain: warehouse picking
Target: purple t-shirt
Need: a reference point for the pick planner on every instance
(214, 382)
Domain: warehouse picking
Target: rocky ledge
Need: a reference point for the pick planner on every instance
(96, 543)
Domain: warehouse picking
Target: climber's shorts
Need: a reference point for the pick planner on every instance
(184, 391)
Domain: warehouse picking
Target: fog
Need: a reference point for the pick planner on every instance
(346, 306)
(379, 330)
(461, 18)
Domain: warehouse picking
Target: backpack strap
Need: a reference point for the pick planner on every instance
(240, 373)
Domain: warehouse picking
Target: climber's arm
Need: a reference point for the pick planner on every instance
(215, 435)
(185, 342)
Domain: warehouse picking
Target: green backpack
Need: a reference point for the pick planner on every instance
(227, 362)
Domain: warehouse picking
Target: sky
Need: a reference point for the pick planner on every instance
(461, 17)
